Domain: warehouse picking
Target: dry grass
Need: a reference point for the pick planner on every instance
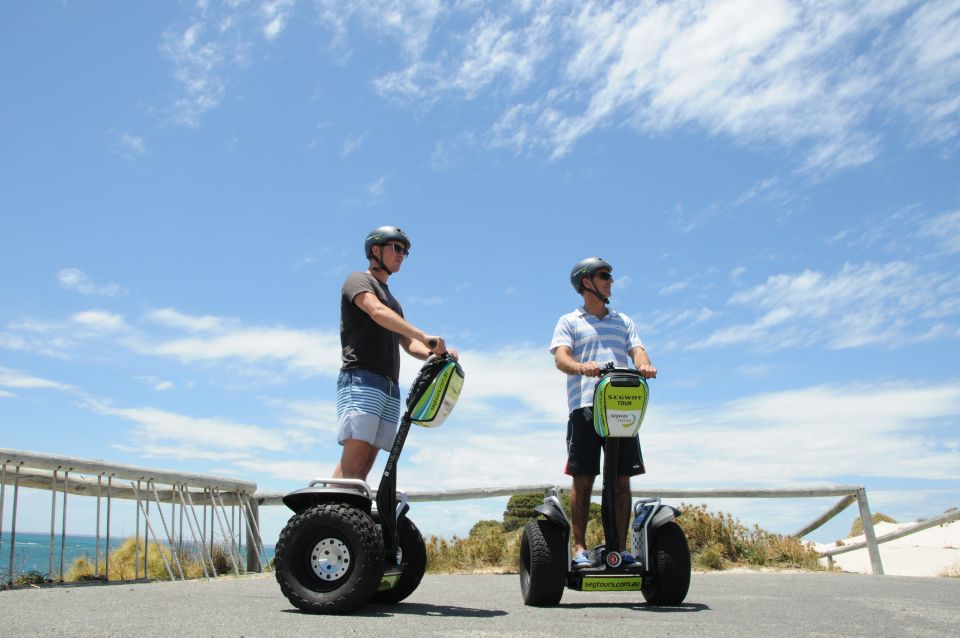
(953, 571)
(717, 541)
(857, 528)
(123, 562)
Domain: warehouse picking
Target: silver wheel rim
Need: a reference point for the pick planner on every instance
(330, 559)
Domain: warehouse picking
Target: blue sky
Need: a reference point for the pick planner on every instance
(185, 185)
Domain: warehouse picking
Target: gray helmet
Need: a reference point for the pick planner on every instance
(382, 235)
(586, 268)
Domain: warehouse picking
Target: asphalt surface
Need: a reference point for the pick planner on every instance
(719, 604)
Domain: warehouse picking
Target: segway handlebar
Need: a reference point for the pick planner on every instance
(610, 368)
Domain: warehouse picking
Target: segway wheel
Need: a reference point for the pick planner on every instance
(414, 561)
(670, 558)
(543, 563)
(329, 559)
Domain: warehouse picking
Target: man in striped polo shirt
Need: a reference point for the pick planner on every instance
(584, 341)
(372, 331)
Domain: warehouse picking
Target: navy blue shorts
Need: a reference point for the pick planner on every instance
(584, 446)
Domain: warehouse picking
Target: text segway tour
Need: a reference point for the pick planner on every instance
(661, 571)
(338, 552)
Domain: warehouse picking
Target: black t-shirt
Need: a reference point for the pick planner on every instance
(365, 344)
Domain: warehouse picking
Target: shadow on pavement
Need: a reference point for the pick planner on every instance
(681, 608)
(426, 609)
(417, 609)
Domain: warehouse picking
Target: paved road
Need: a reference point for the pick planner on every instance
(719, 604)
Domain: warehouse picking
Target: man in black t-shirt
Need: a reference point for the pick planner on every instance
(372, 330)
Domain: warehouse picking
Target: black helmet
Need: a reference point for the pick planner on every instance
(382, 235)
(586, 268)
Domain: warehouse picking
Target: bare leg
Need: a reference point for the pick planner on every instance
(580, 509)
(356, 460)
(623, 510)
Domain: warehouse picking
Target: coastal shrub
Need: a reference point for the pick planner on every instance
(857, 528)
(710, 558)
(32, 577)
(717, 541)
(123, 561)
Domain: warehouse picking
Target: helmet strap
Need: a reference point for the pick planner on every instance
(596, 294)
(380, 265)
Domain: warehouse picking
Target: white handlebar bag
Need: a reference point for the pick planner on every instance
(619, 404)
(435, 392)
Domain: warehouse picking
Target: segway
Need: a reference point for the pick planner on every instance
(337, 552)
(661, 571)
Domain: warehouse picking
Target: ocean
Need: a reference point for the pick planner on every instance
(32, 552)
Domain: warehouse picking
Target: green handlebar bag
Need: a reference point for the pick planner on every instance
(439, 395)
(619, 404)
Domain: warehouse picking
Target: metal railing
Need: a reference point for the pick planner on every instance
(183, 491)
(185, 494)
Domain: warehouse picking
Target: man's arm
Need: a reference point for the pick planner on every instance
(642, 362)
(413, 340)
(568, 365)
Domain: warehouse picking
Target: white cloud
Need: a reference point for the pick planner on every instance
(352, 144)
(14, 379)
(155, 427)
(75, 279)
(809, 434)
(944, 229)
(802, 74)
(276, 13)
(127, 145)
(302, 351)
(198, 68)
(175, 319)
(674, 288)
(100, 321)
(878, 304)
(434, 300)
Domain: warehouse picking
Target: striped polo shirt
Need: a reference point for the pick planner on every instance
(593, 339)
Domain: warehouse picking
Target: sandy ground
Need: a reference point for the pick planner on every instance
(932, 552)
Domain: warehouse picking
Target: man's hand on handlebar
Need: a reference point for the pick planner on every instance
(437, 345)
(590, 369)
(647, 371)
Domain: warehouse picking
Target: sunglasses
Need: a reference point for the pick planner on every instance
(603, 275)
(399, 249)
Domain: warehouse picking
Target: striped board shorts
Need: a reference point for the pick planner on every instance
(368, 408)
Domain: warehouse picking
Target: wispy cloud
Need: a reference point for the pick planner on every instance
(752, 70)
(303, 352)
(100, 321)
(352, 144)
(160, 427)
(173, 318)
(867, 304)
(14, 379)
(276, 13)
(127, 145)
(77, 280)
(944, 230)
